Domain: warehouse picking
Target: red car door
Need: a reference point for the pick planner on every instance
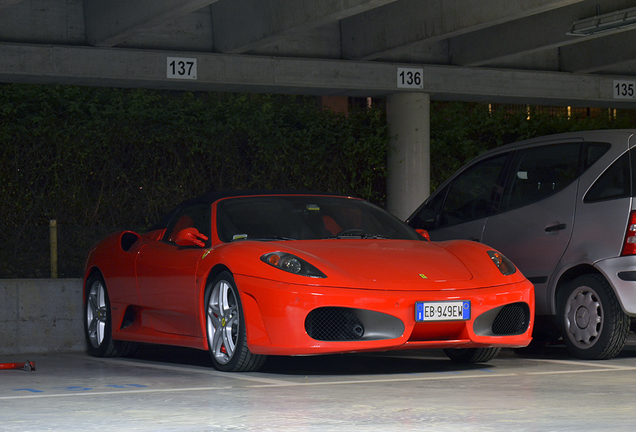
(166, 278)
(166, 275)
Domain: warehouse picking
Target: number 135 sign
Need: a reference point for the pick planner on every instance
(624, 89)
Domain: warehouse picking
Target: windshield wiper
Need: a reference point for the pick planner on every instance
(357, 234)
(261, 237)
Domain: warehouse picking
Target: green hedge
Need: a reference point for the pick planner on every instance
(98, 159)
(461, 131)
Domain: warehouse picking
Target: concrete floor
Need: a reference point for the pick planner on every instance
(178, 390)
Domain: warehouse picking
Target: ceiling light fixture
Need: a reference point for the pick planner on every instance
(602, 23)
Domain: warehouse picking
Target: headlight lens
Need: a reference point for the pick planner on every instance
(505, 266)
(292, 264)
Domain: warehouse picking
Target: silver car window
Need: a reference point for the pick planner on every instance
(539, 172)
(473, 193)
(614, 183)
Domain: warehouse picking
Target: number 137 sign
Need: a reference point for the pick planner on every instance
(182, 68)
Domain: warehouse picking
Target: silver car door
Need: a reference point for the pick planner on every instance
(534, 223)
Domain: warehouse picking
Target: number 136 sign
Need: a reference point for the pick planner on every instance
(410, 78)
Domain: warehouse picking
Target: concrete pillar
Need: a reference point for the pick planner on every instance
(409, 176)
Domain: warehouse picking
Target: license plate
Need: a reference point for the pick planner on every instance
(442, 311)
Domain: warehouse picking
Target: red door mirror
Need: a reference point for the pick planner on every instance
(424, 234)
(190, 237)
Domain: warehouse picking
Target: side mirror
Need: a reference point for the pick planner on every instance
(190, 237)
(428, 215)
(424, 234)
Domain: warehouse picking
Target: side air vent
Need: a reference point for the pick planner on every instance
(128, 239)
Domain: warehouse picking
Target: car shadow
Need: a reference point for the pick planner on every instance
(387, 363)
(172, 355)
(384, 363)
(367, 364)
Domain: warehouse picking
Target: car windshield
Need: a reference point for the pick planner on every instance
(306, 218)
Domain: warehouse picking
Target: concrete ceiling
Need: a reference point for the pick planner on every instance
(496, 50)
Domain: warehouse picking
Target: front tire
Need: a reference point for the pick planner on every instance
(225, 324)
(591, 320)
(471, 355)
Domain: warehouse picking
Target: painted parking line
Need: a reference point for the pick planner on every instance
(410, 378)
(277, 384)
(262, 381)
(280, 383)
(269, 383)
(591, 363)
(190, 369)
(118, 393)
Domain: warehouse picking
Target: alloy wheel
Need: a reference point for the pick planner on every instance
(96, 314)
(223, 321)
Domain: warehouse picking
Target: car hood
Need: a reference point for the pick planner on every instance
(383, 260)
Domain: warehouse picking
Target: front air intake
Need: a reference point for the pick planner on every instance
(512, 319)
(334, 324)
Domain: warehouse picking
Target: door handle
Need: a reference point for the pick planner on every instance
(555, 228)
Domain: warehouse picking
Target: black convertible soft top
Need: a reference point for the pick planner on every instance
(211, 197)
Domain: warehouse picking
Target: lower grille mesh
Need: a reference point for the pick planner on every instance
(512, 319)
(333, 324)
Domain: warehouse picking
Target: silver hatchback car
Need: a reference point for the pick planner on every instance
(562, 208)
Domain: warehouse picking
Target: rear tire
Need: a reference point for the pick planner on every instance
(471, 355)
(592, 322)
(98, 322)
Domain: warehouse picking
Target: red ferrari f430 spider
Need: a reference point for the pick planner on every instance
(250, 274)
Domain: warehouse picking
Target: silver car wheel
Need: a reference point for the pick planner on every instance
(223, 321)
(591, 320)
(583, 317)
(96, 314)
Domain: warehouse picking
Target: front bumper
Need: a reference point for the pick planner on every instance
(276, 317)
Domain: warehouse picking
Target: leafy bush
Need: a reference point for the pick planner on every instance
(97, 160)
(461, 131)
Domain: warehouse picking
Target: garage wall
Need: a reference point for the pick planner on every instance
(40, 316)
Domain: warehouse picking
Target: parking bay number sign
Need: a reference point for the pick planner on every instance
(624, 89)
(442, 310)
(182, 68)
(410, 78)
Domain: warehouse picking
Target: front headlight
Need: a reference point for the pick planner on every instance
(505, 266)
(292, 264)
